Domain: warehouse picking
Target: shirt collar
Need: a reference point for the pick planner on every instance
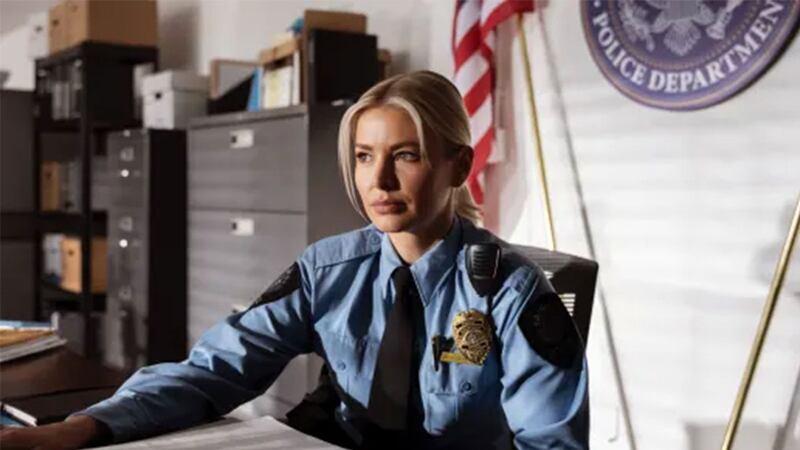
(428, 269)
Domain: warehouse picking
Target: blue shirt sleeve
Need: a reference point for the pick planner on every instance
(546, 406)
(233, 362)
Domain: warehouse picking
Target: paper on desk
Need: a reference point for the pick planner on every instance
(261, 433)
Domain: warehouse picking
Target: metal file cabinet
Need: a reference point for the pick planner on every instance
(145, 319)
(262, 186)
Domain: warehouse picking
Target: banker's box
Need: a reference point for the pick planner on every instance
(57, 27)
(71, 264)
(123, 22)
(171, 98)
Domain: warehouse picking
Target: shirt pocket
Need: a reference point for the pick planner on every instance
(350, 359)
(451, 393)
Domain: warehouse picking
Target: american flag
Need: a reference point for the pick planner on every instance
(473, 39)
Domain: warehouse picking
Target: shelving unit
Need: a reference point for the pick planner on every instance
(86, 90)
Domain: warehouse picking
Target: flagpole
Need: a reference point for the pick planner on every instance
(763, 327)
(587, 230)
(548, 210)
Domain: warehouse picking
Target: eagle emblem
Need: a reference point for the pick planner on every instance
(682, 22)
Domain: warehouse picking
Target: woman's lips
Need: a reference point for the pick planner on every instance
(388, 207)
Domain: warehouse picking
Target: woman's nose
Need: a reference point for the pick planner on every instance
(385, 176)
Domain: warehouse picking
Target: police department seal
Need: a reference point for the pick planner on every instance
(686, 54)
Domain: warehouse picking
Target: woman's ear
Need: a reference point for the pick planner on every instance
(463, 165)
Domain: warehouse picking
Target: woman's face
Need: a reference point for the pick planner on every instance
(399, 191)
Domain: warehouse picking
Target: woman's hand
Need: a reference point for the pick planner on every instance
(75, 432)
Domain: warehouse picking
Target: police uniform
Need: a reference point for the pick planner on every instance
(528, 386)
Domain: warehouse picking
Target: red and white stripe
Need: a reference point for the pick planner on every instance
(473, 43)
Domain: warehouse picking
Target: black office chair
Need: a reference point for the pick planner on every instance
(573, 278)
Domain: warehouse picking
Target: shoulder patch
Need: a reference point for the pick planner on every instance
(550, 331)
(287, 282)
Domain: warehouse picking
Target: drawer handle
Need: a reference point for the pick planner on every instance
(126, 224)
(127, 154)
(242, 226)
(242, 138)
(125, 293)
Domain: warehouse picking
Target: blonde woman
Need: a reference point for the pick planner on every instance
(416, 356)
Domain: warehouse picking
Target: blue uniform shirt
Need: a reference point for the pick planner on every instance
(339, 312)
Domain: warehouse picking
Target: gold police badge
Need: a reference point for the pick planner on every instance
(473, 335)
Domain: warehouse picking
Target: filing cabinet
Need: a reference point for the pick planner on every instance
(262, 186)
(145, 320)
(257, 165)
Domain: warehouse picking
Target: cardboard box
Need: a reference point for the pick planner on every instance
(38, 35)
(126, 22)
(334, 21)
(71, 264)
(57, 27)
(50, 190)
(172, 97)
(278, 52)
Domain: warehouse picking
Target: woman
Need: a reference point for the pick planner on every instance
(416, 357)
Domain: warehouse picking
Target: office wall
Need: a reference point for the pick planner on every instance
(14, 59)
(688, 212)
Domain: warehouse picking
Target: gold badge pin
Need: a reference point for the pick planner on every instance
(473, 335)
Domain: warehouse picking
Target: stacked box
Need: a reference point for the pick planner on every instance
(171, 98)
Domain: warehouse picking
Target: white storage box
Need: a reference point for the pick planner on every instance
(171, 98)
(38, 35)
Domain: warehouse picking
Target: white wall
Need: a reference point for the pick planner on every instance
(14, 59)
(688, 212)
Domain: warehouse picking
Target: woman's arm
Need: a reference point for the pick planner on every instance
(233, 362)
(75, 432)
(545, 381)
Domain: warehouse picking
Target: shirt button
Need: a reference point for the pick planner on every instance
(374, 239)
(466, 386)
(341, 365)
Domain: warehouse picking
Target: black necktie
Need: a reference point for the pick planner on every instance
(389, 397)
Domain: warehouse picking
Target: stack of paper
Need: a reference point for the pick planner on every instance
(257, 434)
(18, 339)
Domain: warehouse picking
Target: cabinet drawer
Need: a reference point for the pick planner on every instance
(233, 257)
(251, 166)
(128, 255)
(127, 165)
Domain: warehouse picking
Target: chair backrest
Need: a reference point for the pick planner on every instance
(574, 279)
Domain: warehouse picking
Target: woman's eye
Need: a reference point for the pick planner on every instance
(407, 156)
(363, 157)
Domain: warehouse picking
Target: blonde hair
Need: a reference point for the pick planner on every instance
(437, 110)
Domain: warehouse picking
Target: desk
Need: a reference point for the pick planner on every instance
(262, 433)
(53, 372)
